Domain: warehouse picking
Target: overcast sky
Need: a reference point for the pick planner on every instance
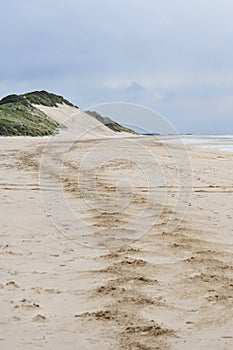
(174, 56)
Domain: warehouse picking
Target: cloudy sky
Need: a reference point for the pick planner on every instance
(174, 56)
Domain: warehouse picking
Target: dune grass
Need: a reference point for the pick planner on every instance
(46, 99)
(22, 119)
(111, 124)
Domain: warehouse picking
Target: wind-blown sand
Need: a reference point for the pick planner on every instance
(160, 291)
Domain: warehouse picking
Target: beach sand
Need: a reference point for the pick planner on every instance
(108, 273)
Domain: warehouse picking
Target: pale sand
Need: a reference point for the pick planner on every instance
(165, 290)
(78, 124)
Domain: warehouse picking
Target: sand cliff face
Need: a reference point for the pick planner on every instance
(107, 274)
(77, 123)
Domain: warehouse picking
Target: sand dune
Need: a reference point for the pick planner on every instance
(78, 123)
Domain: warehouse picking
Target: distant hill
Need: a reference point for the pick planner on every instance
(20, 117)
(111, 124)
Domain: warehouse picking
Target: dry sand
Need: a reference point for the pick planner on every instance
(114, 279)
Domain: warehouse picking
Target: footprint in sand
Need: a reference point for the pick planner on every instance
(39, 318)
(28, 304)
(12, 285)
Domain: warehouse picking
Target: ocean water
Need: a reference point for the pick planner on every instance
(226, 148)
(220, 142)
(179, 140)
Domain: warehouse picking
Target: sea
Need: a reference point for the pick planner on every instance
(219, 142)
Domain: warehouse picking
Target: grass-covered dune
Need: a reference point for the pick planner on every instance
(46, 99)
(20, 117)
(111, 124)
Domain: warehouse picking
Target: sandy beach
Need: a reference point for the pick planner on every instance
(92, 262)
(116, 175)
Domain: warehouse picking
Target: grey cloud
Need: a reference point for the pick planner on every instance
(173, 56)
